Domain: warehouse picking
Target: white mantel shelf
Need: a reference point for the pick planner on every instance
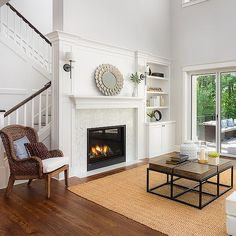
(106, 102)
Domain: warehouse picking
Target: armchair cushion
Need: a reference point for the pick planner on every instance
(38, 149)
(54, 163)
(19, 146)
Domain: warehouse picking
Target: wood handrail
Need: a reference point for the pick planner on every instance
(27, 22)
(45, 87)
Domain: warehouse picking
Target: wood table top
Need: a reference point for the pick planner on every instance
(189, 169)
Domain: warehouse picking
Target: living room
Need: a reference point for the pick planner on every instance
(119, 91)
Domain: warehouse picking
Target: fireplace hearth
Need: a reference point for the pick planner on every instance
(105, 146)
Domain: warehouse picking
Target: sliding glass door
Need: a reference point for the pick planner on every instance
(228, 113)
(214, 110)
(204, 111)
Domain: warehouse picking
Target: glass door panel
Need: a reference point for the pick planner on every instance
(228, 113)
(204, 109)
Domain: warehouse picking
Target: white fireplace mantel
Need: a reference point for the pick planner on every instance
(106, 102)
(122, 113)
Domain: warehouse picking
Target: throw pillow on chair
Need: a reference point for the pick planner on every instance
(38, 150)
(19, 146)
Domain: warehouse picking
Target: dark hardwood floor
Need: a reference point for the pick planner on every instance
(28, 212)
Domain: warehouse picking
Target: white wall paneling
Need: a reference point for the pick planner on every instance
(78, 97)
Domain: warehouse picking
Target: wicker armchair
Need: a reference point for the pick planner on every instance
(29, 168)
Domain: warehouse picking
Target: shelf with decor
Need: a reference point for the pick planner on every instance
(157, 78)
(154, 92)
(157, 91)
(160, 107)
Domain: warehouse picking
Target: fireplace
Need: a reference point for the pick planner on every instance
(106, 146)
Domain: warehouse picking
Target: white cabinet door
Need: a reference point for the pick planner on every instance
(168, 137)
(154, 139)
(161, 139)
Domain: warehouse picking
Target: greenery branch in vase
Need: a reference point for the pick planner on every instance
(152, 116)
(135, 78)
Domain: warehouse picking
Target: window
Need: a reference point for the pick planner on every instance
(214, 110)
(186, 3)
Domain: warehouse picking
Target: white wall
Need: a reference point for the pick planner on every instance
(134, 24)
(202, 33)
(39, 13)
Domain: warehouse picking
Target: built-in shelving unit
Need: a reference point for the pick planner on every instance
(160, 135)
(157, 90)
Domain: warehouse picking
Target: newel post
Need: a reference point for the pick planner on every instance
(2, 112)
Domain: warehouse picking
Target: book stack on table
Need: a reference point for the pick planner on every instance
(177, 159)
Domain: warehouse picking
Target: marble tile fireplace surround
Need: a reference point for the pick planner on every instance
(96, 112)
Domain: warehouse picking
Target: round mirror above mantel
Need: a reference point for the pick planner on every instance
(109, 79)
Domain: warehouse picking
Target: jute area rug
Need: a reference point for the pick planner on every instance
(125, 193)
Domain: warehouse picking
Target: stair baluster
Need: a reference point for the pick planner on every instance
(40, 107)
(46, 113)
(25, 114)
(17, 116)
(32, 112)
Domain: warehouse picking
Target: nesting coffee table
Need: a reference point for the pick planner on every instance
(198, 174)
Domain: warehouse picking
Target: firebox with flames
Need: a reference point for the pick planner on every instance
(100, 151)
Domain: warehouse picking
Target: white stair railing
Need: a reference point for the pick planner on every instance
(19, 30)
(34, 111)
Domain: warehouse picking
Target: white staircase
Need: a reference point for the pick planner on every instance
(16, 28)
(35, 110)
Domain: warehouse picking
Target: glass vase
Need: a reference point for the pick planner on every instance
(135, 91)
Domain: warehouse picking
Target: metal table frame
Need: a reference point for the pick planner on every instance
(199, 183)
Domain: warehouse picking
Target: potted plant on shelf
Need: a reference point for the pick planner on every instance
(152, 116)
(136, 79)
(213, 158)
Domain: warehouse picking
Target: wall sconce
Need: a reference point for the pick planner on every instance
(69, 56)
(144, 76)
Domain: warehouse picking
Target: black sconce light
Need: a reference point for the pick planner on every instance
(147, 72)
(69, 56)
